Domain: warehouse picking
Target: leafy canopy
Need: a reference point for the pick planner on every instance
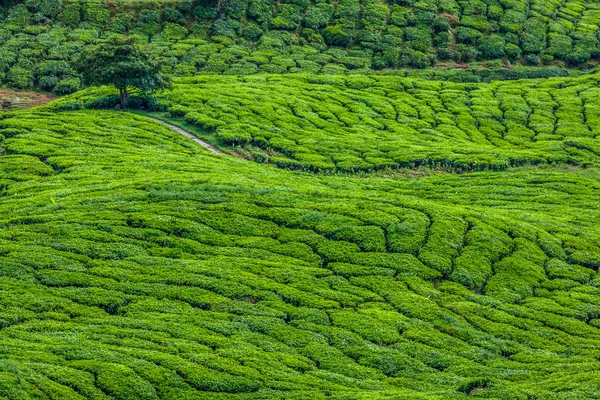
(118, 61)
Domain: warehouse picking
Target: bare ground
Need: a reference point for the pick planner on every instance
(20, 100)
(188, 135)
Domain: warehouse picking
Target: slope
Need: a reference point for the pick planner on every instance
(360, 123)
(40, 40)
(135, 264)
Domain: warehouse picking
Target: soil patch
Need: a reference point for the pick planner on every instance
(20, 100)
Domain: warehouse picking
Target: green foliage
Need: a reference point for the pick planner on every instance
(439, 241)
(316, 36)
(134, 264)
(119, 62)
(493, 47)
(360, 123)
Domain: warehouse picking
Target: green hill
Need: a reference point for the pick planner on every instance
(397, 213)
(136, 265)
(40, 40)
(369, 123)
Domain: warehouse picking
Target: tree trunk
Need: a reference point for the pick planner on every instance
(124, 97)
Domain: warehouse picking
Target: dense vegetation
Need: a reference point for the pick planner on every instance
(358, 123)
(135, 265)
(368, 234)
(119, 62)
(41, 40)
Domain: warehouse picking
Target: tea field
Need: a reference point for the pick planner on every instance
(362, 123)
(134, 264)
(406, 206)
(40, 41)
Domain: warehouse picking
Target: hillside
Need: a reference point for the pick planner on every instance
(299, 199)
(367, 123)
(40, 40)
(136, 265)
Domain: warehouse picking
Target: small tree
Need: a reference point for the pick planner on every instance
(118, 61)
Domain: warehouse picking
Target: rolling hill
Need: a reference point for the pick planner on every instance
(376, 199)
(368, 123)
(137, 265)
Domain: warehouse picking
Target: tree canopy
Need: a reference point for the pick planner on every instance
(118, 61)
(498, 39)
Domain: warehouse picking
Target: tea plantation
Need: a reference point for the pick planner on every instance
(41, 40)
(363, 123)
(137, 265)
(406, 206)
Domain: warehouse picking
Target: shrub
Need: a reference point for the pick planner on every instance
(173, 31)
(468, 35)
(513, 51)
(532, 59)
(336, 35)
(445, 239)
(369, 238)
(558, 269)
(96, 14)
(492, 47)
(252, 32)
(414, 59)
(578, 56)
(289, 16)
(318, 15)
(20, 77)
(234, 135)
(48, 82)
(205, 11)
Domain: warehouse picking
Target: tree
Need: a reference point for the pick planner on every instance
(118, 61)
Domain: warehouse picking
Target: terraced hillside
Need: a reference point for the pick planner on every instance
(358, 123)
(137, 265)
(40, 41)
(365, 234)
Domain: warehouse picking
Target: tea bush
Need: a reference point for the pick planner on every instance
(367, 124)
(135, 264)
(251, 36)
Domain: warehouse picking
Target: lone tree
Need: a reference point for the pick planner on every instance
(118, 61)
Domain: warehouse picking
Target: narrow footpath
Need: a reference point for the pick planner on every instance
(189, 135)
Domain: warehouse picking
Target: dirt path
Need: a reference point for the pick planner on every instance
(187, 134)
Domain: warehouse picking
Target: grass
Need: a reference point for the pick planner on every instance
(137, 265)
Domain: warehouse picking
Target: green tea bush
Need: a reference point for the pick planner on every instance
(441, 240)
(193, 275)
(387, 34)
(395, 124)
